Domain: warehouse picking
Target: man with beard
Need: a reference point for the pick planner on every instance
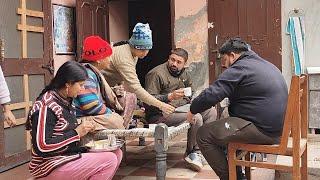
(166, 82)
(258, 96)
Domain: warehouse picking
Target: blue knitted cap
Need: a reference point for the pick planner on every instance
(141, 37)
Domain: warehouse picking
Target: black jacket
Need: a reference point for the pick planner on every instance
(256, 90)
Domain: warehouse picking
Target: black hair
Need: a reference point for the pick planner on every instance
(180, 52)
(120, 43)
(69, 72)
(235, 45)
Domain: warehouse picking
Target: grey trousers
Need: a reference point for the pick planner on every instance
(214, 137)
(176, 119)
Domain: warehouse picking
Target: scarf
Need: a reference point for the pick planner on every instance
(106, 92)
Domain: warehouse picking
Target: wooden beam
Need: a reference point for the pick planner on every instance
(26, 90)
(28, 28)
(20, 105)
(30, 13)
(19, 121)
(20, 66)
(23, 30)
(26, 99)
(264, 165)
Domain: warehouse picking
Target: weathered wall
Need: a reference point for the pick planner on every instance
(312, 11)
(118, 20)
(191, 33)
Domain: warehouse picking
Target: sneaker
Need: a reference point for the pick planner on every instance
(240, 174)
(194, 161)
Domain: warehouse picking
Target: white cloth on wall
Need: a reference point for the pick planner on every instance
(296, 30)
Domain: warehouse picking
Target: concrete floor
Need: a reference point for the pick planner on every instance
(140, 165)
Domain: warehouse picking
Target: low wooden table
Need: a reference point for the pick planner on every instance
(162, 134)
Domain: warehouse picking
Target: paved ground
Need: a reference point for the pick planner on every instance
(141, 162)
(313, 160)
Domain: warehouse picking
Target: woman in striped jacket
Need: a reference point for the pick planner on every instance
(56, 151)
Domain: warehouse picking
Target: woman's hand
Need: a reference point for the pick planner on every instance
(167, 108)
(8, 115)
(84, 128)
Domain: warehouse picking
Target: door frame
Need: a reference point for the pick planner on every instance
(29, 66)
(172, 9)
(173, 20)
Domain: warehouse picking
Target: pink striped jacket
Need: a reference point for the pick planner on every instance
(54, 139)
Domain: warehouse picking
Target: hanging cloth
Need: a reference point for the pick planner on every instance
(296, 30)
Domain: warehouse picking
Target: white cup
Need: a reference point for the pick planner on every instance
(187, 91)
(112, 140)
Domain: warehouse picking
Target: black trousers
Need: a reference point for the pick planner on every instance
(213, 138)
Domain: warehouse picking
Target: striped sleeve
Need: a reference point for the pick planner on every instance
(43, 133)
(88, 100)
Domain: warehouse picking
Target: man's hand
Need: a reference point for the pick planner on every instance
(190, 118)
(9, 118)
(118, 90)
(176, 94)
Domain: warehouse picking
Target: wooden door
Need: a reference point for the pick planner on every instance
(92, 19)
(27, 68)
(258, 22)
(101, 19)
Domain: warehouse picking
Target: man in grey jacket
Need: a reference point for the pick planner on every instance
(5, 100)
(167, 82)
(257, 94)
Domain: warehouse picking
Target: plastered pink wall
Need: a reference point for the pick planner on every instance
(191, 33)
(191, 30)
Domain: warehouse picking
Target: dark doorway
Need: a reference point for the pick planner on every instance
(258, 22)
(158, 15)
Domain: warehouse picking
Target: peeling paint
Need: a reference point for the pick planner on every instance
(190, 7)
(199, 73)
(191, 33)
